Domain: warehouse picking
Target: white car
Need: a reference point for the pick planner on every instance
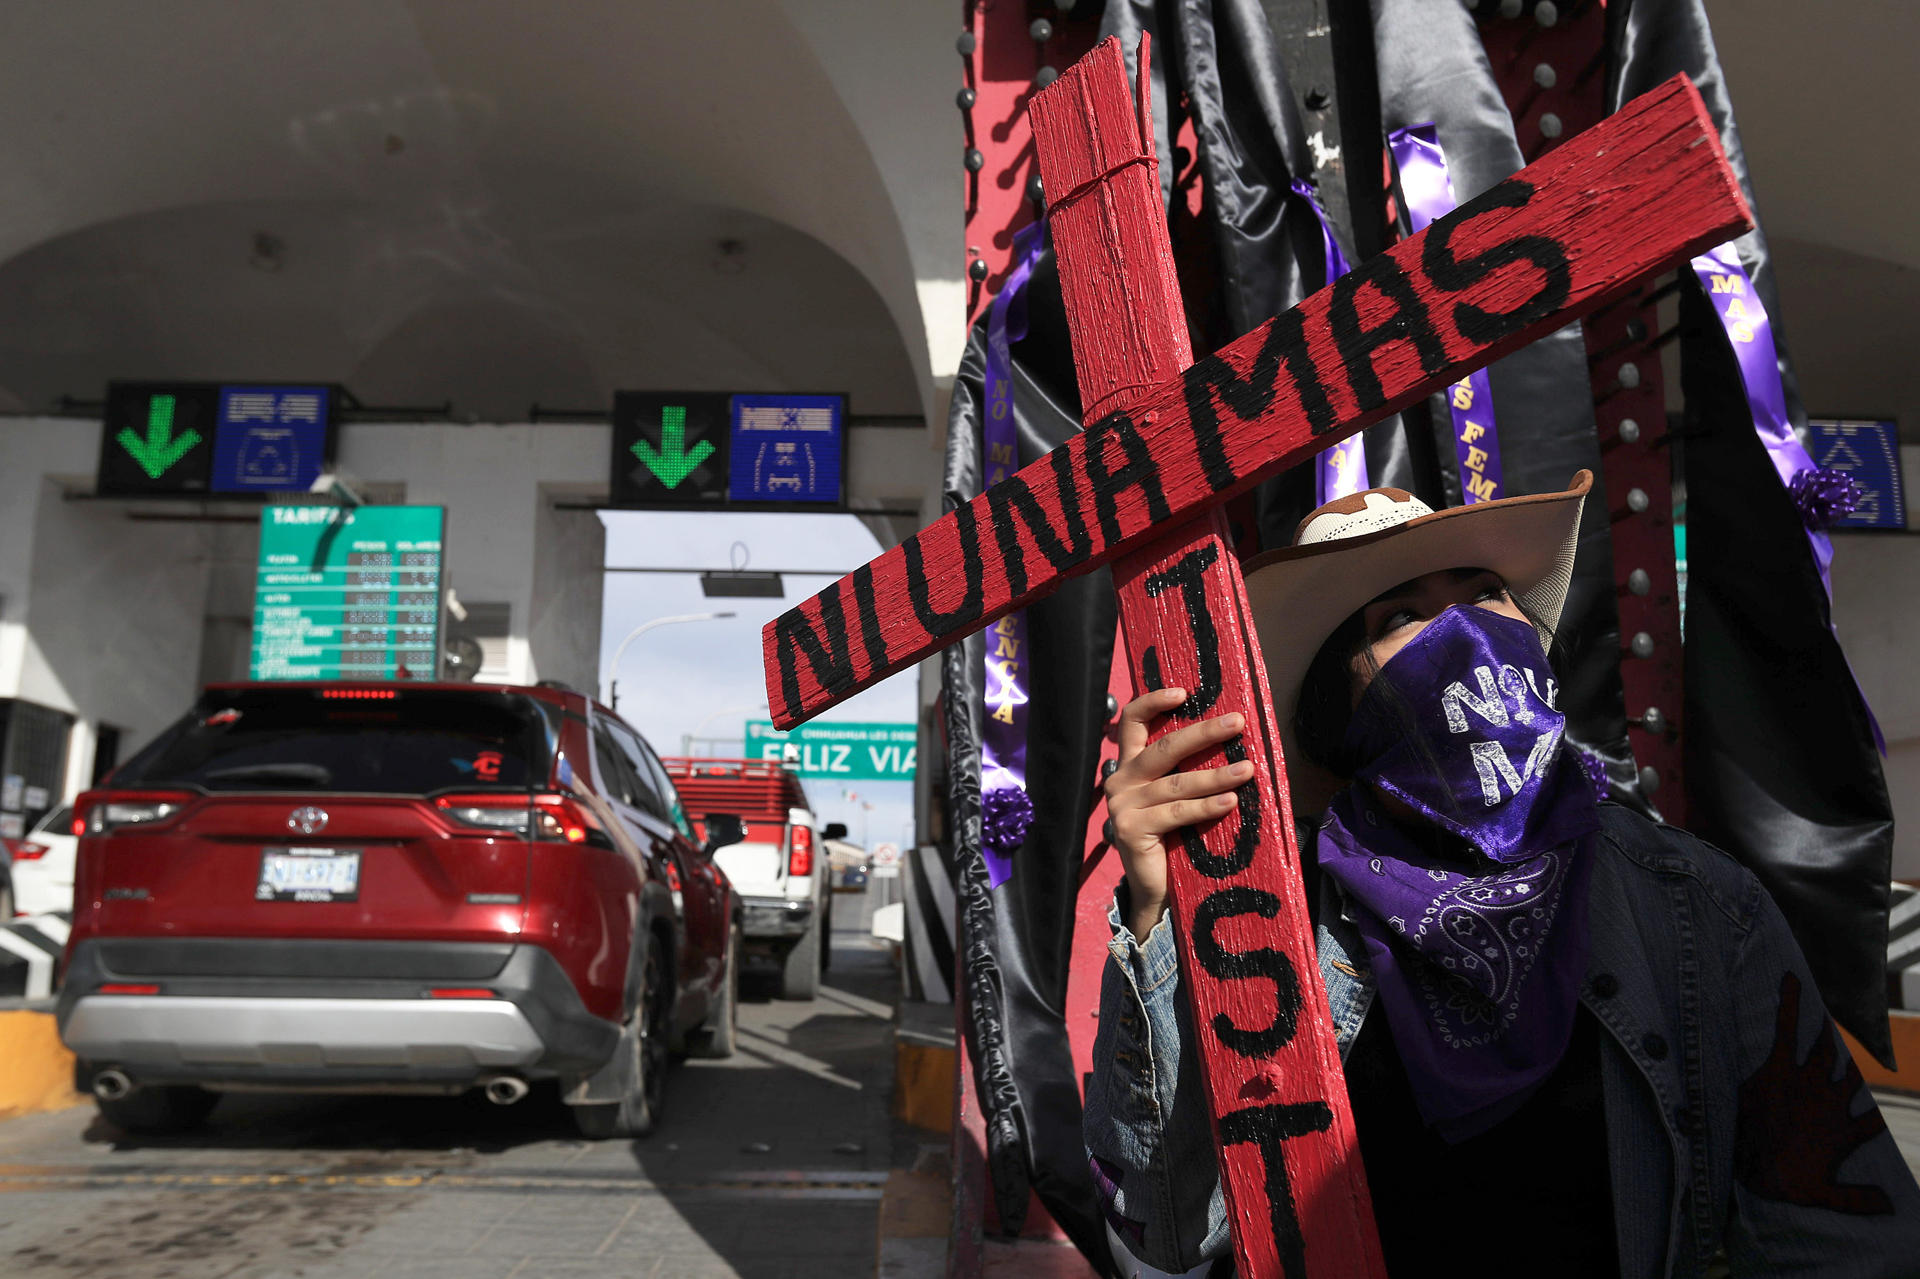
(43, 865)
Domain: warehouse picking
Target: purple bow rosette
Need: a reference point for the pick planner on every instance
(1820, 495)
(1006, 810)
(1341, 469)
(1428, 192)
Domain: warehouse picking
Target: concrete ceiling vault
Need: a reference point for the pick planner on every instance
(477, 201)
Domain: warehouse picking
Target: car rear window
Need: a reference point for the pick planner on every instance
(402, 742)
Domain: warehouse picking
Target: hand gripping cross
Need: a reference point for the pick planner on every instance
(1167, 442)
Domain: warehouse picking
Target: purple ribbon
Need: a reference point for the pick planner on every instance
(1750, 333)
(1341, 469)
(1006, 811)
(1429, 196)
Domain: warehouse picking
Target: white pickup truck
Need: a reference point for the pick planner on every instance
(780, 871)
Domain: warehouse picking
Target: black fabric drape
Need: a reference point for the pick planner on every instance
(1780, 765)
(1215, 61)
(1433, 69)
(1017, 940)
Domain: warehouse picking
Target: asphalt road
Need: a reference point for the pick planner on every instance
(766, 1166)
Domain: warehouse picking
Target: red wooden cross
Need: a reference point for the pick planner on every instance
(1167, 442)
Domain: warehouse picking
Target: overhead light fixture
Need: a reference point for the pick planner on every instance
(741, 585)
(269, 252)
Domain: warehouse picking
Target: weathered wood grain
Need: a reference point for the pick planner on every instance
(1637, 194)
(1296, 1191)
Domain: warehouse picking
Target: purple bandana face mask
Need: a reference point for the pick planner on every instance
(1461, 725)
(1479, 968)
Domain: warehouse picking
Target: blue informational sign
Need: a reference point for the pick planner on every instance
(270, 439)
(1869, 452)
(787, 448)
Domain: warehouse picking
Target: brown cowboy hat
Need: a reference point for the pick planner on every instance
(1357, 547)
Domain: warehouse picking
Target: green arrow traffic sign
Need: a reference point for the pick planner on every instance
(161, 448)
(673, 461)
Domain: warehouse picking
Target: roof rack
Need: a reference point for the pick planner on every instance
(704, 766)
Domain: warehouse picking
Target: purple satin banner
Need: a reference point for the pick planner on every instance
(1750, 333)
(1341, 469)
(1006, 810)
(1429, 195)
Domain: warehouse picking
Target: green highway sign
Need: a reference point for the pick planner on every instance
(670, 448)
(348, 592)
(839, 752)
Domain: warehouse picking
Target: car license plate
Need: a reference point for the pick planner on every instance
(309, 875)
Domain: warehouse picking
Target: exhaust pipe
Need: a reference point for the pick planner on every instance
(111, 1085)
(501, 1090)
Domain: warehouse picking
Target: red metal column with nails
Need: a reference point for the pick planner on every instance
(1289, 1155)
(1002, 64)
(1550, 64)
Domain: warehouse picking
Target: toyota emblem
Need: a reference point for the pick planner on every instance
(308, 820)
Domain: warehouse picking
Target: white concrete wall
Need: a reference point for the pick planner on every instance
(103, 611)
(106, 606)
(1876, 609)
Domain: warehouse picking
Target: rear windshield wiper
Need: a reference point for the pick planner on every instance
(308, 774)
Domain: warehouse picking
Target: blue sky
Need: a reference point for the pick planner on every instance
(677, 680)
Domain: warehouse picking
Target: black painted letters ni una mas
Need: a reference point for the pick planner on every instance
(1549, 256)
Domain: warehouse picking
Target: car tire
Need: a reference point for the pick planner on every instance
(638, 1113)
(801, 977)
(720, 1037)
(6, 899)
(155, 1110)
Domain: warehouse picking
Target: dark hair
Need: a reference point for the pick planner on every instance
(1324, 709)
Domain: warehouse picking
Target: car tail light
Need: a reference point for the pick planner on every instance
(109, 815)
(800, 856)
(503, 814)
(563, 818)
(79, 825)
(358, 694)
(461, 992)
(548, 817)
(129, 988)
(29, 852)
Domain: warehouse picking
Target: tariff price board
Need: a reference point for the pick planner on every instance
(1869, 452)
(348, 592)
(670, 448)
(787, 448)
(193, 438)
(839, 752)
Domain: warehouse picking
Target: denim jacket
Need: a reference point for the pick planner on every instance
(1739, 1131)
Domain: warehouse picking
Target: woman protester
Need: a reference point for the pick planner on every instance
(1576, 1041)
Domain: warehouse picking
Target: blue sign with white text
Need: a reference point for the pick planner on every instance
(787, 448)
(270, 439)
(1869, 452)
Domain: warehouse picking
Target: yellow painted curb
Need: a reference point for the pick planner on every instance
(1906, 1050)
(36, 1070)
(924, 1076)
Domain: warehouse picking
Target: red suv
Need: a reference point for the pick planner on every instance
(395, 888)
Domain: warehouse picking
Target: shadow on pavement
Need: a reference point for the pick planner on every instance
(767, 1164)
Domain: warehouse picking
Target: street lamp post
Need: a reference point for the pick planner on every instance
(613, 670)
(687, 740)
